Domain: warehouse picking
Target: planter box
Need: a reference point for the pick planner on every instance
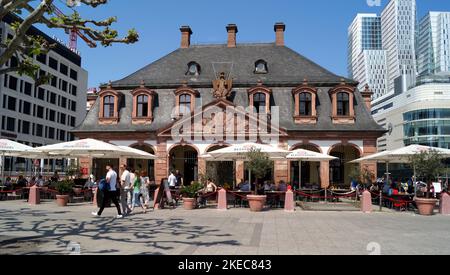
(256, 203)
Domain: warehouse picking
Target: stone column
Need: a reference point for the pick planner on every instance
(201, 166)
(324, 174)
(161, 163)
(240, 170)
(281, 171)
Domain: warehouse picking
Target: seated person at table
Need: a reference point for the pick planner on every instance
(374, 188)
(8, 183)
(90, 183)
(32, 182)
(386, 188)
(21, 182)
(210, 187)
(40, 181)
(282, 186)
(245, 187)
(393, 190)
(267, 186)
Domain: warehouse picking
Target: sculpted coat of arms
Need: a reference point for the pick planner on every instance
(222, 86)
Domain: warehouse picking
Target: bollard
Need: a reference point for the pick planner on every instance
(222, 200)
(445, 204)
(34, 198)
(366, 202)
(289, 202)
(381, 201)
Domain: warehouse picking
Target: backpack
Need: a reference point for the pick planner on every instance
(103, 185)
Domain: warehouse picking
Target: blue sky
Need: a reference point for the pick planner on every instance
(315, 28)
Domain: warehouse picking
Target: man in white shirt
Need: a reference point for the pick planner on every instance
(125, 190)
(172, 181)
(111, 194)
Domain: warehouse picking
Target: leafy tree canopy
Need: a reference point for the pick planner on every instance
(22, 47)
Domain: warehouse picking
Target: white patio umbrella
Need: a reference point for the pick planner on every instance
(10, 148)
(239, 152)
(136, 153)
(402, 155)
(307, 156)
(81, 148)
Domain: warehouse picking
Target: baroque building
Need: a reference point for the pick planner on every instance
(201, 98)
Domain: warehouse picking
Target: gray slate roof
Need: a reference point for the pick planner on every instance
(287, 69)
(285, 66)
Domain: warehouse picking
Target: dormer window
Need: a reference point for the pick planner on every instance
(259, 98)
(109, 106)
(193, 69)
(305, 98)
(259, 102)
(343, 104)
(261, 67)
(342, 98)
(185, 100)
(185, 104)
(305, 104)
(143, 99)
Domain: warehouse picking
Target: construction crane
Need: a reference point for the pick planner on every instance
(74, 33)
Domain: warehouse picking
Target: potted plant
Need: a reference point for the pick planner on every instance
(258, 163)
(190, 194)
(63, 188)
(427, 165)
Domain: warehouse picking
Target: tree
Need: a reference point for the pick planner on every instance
(23, 47)
(259, 163)
(427, 165)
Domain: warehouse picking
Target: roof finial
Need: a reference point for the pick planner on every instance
(184, 83)
(260, 83)
(110, 84)
(343, 81)
(305, 81)
(142, 83)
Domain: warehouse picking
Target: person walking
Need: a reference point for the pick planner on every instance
(136, 186)
(172, 180)
(130, 192)
(145, 196)
(110, 193)
(125, 189)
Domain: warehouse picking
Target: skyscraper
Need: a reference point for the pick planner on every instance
(434, 44)
(398, 29)
(366, 58)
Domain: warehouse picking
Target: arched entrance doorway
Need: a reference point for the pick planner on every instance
(143, 165)
(341, 169)
(222, 172)
(310, 170)
(185, 160)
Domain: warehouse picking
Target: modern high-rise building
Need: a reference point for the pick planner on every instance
(366, 58)
(40, 115)
(398, 29)
(433, 44)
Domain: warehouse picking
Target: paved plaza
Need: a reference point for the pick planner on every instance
(48, 229)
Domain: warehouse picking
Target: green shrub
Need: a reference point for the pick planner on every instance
(192, 190)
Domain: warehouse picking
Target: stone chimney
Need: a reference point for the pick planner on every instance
(186, 33)
(232, 30)
(279, 33)
(367, 96)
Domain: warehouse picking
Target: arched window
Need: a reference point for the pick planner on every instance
(142, 106)
(259, 102)
(343, 104)
(305, 104)
(108, 106)
(185, 104)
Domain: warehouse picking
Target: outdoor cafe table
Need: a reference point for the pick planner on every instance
(240, 196)
(275, 197)
(401, 200)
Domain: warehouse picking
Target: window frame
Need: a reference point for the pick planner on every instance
(142, 92)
